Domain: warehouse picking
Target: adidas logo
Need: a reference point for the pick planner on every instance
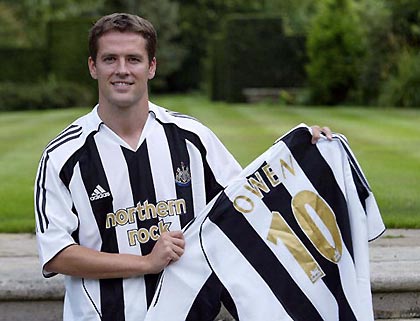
(99, 193)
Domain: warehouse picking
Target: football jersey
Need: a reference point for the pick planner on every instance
(288, 239)
(93, 189)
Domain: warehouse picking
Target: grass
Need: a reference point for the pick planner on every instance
(386, 142)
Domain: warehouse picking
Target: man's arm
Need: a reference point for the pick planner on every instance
(81, 261)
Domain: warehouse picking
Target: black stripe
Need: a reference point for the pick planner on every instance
(180, 115)
(362, 192)
(279, 200)
(93, 174)
(253, 248)
(322, 178)
(41, 190)
(41, 218)
(353, 162)
(66, 132)
(180, 160)
(75, 234)
(229, 304)
(359, 179)
(212, 185)
(143, 189)
(207, 304)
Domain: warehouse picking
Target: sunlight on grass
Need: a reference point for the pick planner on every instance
(385, 141)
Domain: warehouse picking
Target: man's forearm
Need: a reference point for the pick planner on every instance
(80, 261)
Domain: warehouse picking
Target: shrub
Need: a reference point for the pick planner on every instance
(253, 52)
(23, 64)
(17, 96)
(335, 48)
(68, 50)
(380, 53)
(402, 89)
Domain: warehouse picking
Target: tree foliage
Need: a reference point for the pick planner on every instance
(335, 47)
(12, 32)
(402, 88)
(32, 16)
(170, 55)
(296, 14)
(405, 21)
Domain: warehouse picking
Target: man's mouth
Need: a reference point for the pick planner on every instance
(121, 83)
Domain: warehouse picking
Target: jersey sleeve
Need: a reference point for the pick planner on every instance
(55, 220)
(223, 165)
(375, 226)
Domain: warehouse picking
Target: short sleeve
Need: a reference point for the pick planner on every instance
(55, 220)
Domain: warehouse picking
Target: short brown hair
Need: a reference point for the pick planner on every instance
(123, 22)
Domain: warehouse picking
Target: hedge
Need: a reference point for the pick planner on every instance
(216, 66)
(257, 54)
(68, 50)
(23, 65)
(43, 95)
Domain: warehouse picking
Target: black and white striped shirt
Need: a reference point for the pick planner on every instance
(288, 239)
(94, 190)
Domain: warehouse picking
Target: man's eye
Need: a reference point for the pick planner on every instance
(135, 60)
(109, 59)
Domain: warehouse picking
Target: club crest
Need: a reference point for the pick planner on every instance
(183, 175)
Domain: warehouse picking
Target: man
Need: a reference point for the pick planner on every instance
(115, 188)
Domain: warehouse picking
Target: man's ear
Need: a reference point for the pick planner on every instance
(152, 68)
(92, 68)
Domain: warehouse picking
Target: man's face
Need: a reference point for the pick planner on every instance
(122, 69)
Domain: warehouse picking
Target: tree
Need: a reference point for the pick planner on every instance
(405, 21)
(200, 20)
(164, 14)
(296, 14)
(12, 31)
(33, 15)
(335, 48)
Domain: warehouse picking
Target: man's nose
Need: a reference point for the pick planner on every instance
(122, 67)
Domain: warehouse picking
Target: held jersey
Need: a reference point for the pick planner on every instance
(288, 239)
(94, 190)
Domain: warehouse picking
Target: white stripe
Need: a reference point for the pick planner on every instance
(260, 219)
(119, 182)
(162, 172)
(358, 223)
(186, 275)
(232, 270)
(295, 185)
(38, 200)
(88, 236)
(197, 178)
(88, 228)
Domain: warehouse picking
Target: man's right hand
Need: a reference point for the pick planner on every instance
(168, 248)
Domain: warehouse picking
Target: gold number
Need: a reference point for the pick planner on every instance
(299, 206)
(279, 229)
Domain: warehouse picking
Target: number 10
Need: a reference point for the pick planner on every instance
(279, 229)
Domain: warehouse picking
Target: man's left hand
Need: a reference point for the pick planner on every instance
(318, 131)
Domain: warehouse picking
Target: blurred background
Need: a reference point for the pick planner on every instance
(306, 52)
(249, 69)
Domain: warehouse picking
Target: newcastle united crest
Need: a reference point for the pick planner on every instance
(183, 175)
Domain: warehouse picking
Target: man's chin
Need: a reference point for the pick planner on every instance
(123, 103)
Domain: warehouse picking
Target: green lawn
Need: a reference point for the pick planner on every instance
(385, 141)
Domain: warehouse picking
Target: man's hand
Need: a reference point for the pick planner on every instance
(317, 131)
(169, 248)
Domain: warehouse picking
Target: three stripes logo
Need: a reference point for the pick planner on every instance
(99, 193)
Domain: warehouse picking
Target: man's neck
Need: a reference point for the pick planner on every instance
(126, 122)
